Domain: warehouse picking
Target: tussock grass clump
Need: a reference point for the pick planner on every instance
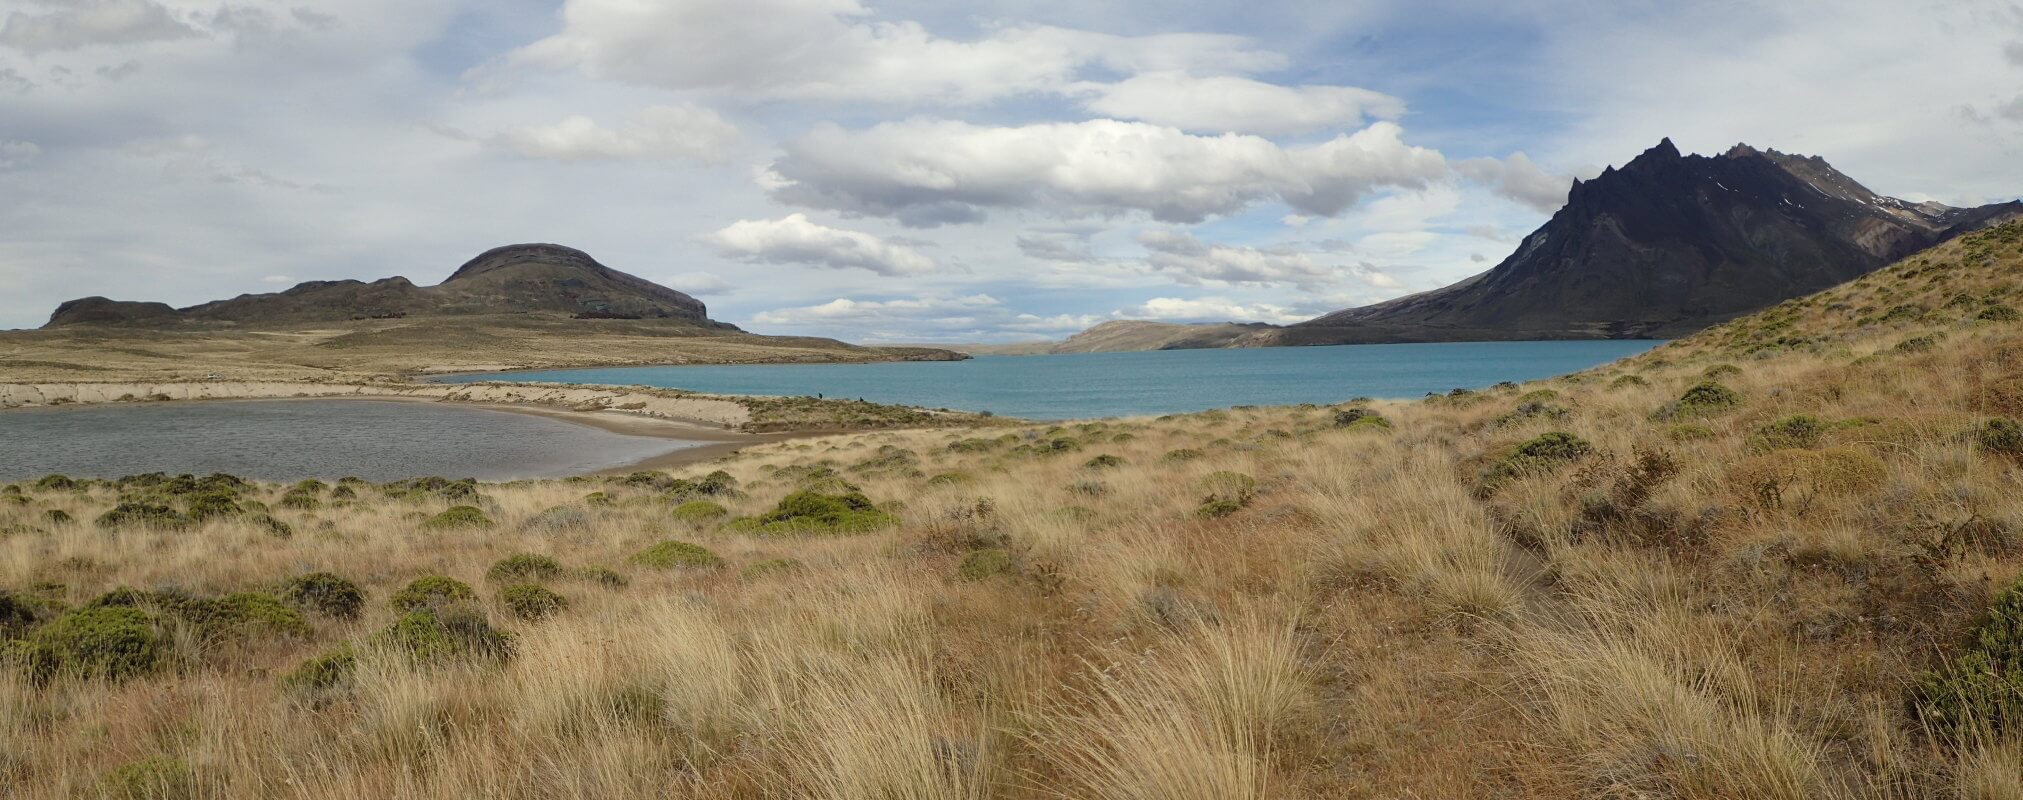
(429, 592)
(325, 593)
(556, 519)
(524, 567)
(812, 512)
(532, 601)
(700, 511)
(672, 554)
(458, 517)
(1227, 493)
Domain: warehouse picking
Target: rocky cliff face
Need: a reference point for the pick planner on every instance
(1666, 245)
(515, 279)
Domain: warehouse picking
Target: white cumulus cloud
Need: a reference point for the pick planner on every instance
(1221, 103)
(834, 50)
(794, 239)
(928, 172)
(85, 23)
(1192, 261)
(1212, 309)
(660, 132)
(1518, 178)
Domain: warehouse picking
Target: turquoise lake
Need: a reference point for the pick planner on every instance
(1131, 384)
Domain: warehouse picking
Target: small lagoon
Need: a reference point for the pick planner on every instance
(287, 440)
(1089, 385)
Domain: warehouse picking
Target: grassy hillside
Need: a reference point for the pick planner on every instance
(1779, 559)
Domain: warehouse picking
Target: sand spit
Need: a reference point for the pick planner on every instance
(724, 414)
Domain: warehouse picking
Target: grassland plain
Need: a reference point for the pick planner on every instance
(1778, 559)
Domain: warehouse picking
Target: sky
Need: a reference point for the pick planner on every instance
(917, 171)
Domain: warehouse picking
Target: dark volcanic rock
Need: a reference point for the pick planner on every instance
(515, 279)
(1666, 245)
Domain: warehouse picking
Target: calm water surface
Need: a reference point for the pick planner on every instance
(286, 440)
(1128, 384)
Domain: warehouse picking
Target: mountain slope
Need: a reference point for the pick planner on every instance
(1664, 246)
(515, 279)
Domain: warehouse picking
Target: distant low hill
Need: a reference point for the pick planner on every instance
(515, 279)
(1125, 335)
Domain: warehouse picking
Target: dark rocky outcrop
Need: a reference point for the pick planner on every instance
(515, 279)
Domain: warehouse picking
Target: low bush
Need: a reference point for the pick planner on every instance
(322, 675)
(811, 512)
(771, 566)
(1703, 399)
(431, 591)
(432, 488)
(986, 563)
(57, 483)
(1537, 454)
(1628, 381)
(213, 505)
(1360, 418)
(458, 517)
(324, 593)
(57, 516)
(142, 514)
(521, 567)
(2000, 436)
(532, 601)
(700, 511)
(603, 576)
(437, 635)
(957, 478)
(1802, 431)
(1104, 461)
(1979, 693)
(672, 553)
(109, 642)
(1998, 313)
(1181, 455)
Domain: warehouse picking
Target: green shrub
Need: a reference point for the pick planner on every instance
(322, 674)
(431, 591)
(213, 505)
(771, 566)
(1688, 432)
(524, 567)
(1980, 692)
(1705, 398)
(57, 516)
(1104, 461)
(1181, 455)
(2001, 436)
(1998, 313)
(248, 613)
(957, 478)
(110, 642)
(325, 593)
(433, 487)
(142, 514)
(458, 517)
(275, 527)
(986, 563)
(452, 632)
(311, 485)
(299, 500)
(1798, 430)
(17, 614)
(1538, 454)
(811, 512)
(57, 483)
(671, 554)
(153, 778)
(1217, 508)
(1719, 371)
(1360, 418)
(532, 601)
(972, 446)
(603, 576)
(1627, 381)
(700, 511)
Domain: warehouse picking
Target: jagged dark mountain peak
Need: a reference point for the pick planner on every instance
(1670, 243)
(515, 279)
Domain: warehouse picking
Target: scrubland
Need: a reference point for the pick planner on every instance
(1779, 559)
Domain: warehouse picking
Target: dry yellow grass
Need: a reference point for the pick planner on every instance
(1698, 604)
